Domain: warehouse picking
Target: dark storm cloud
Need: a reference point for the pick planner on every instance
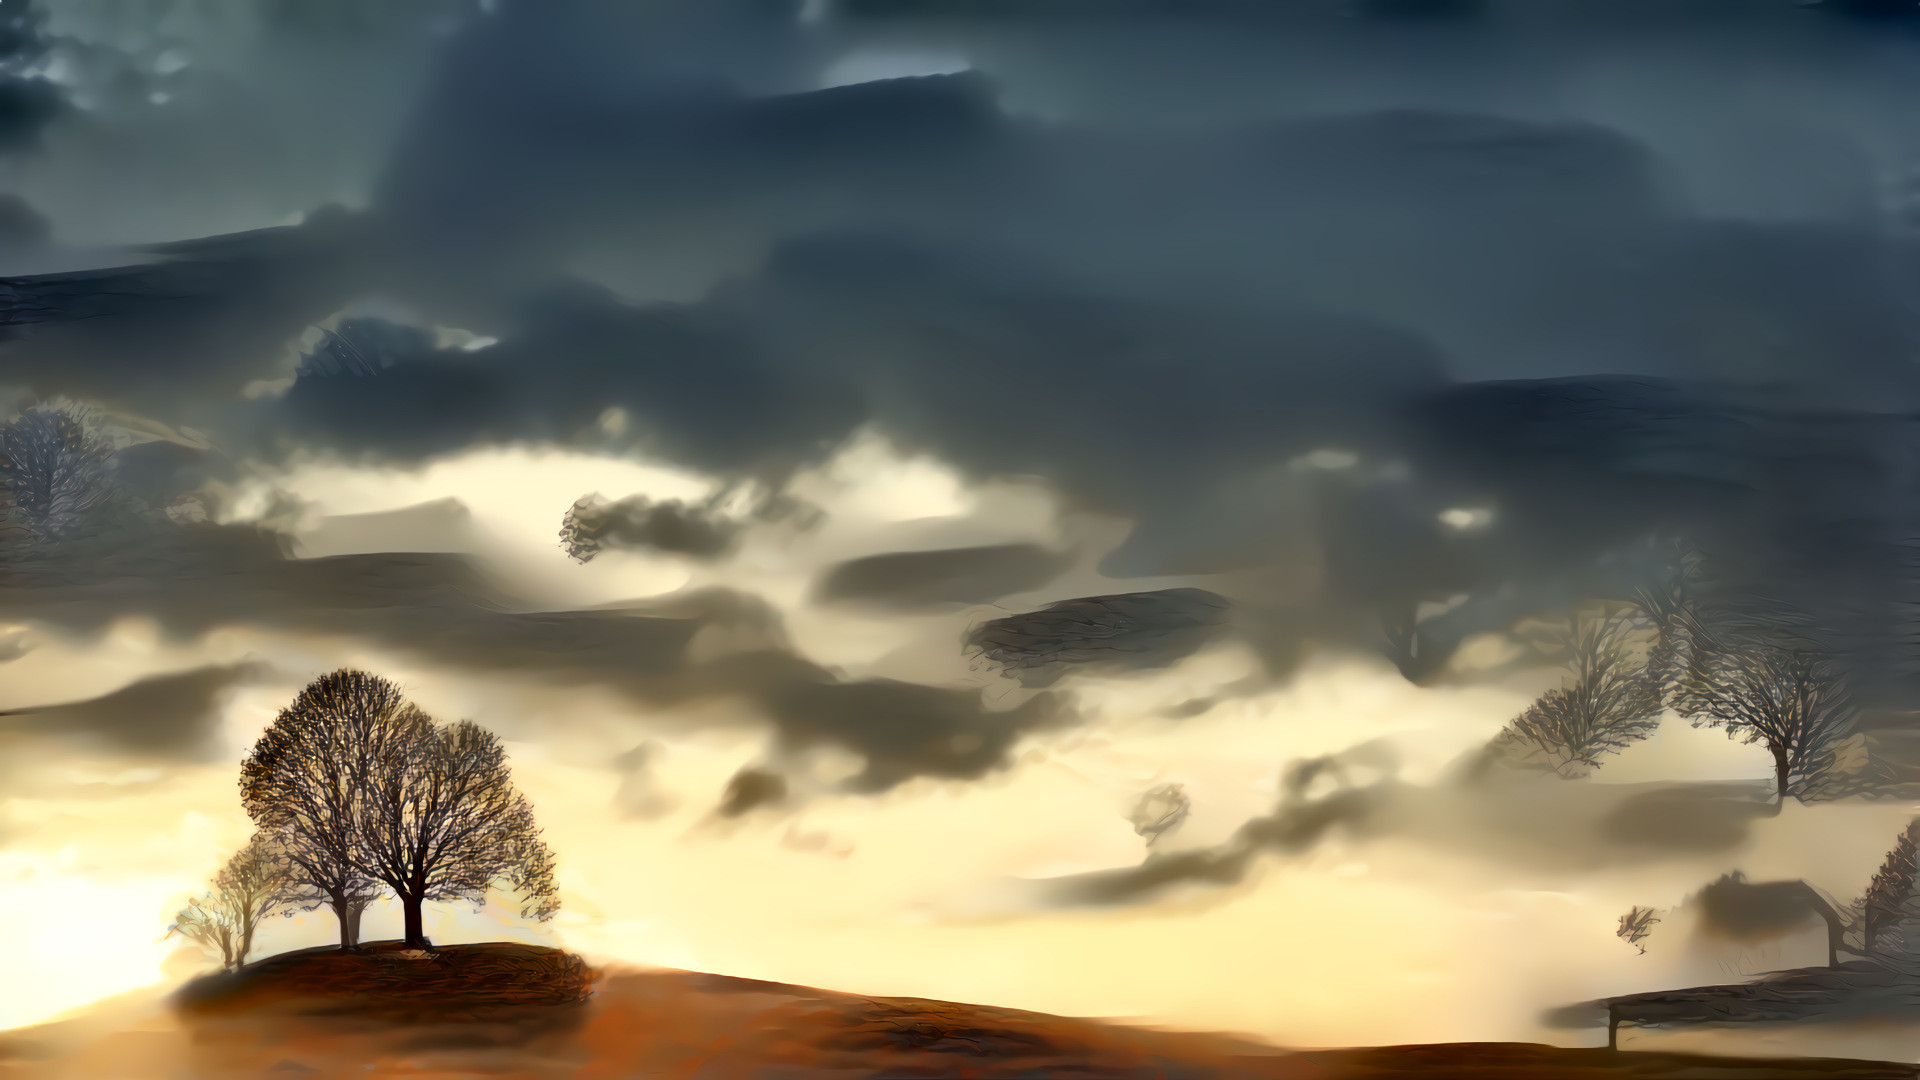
(191, 579)
(1807, 507)
(1498, 238)
(173, 716)
(751, 789)
(1698, 817)
(640, 522)
(28, 99)
(944, 350)
(1522, 824)
(904, 729)
(22, 228)
(199, 317)
(948, 576)
(1143, 314)
(1127, 630)
(159, 471)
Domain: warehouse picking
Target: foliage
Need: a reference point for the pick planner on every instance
(1610, 700)
(1891, 888)
(364, 789)
(1777, 688)
(304, 782)
(251, 886)
(443, 821)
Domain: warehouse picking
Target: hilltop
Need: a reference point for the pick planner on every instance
(504, 1010)
(385, 977)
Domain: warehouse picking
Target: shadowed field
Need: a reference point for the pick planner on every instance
(517, 1011)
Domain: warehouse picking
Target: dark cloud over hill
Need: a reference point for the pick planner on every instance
(1419, 363)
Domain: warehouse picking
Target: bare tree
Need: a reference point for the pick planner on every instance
(1672, 612)
(1635, 925)
(53, 468)
(443, 821)
(1609, 701)
(250, 887)
(1775, 688)
(1892, 886)
(205, 923)
(305, 782)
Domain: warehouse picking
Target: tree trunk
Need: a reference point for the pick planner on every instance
(416, 934)
(350, 926)
(347, 909)
(343, 913)
(1780, 775)
(246, 943)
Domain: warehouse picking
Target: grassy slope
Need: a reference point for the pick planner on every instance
(472, 1012)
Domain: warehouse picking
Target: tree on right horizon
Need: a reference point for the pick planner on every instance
(1891, 888)
(1777, 688)
(1610, 700)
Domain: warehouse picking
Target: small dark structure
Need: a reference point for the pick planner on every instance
(1857, 988)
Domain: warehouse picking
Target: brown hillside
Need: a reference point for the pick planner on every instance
(385, 977)
(501, 1011)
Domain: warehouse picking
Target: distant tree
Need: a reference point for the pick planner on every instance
(443, 821)
(1160, 810)
(251, 886)
(1891, 888)
(305, 783)
(204, 923)
(1609, 701)
(1672, 611)
(53, 468)
(1635, 925)
(1776, 688)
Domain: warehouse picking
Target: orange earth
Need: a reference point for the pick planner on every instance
(504, 1010)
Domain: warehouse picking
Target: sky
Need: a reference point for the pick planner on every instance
(852, 451)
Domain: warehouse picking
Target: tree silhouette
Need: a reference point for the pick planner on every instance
(204, 922)
(53, 468)
(442, 821)
(1776, 688)
(1671, 609)
(1610, 700)
(252, 885)
(1892, 886)
(305, 782)
(1635, 925)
